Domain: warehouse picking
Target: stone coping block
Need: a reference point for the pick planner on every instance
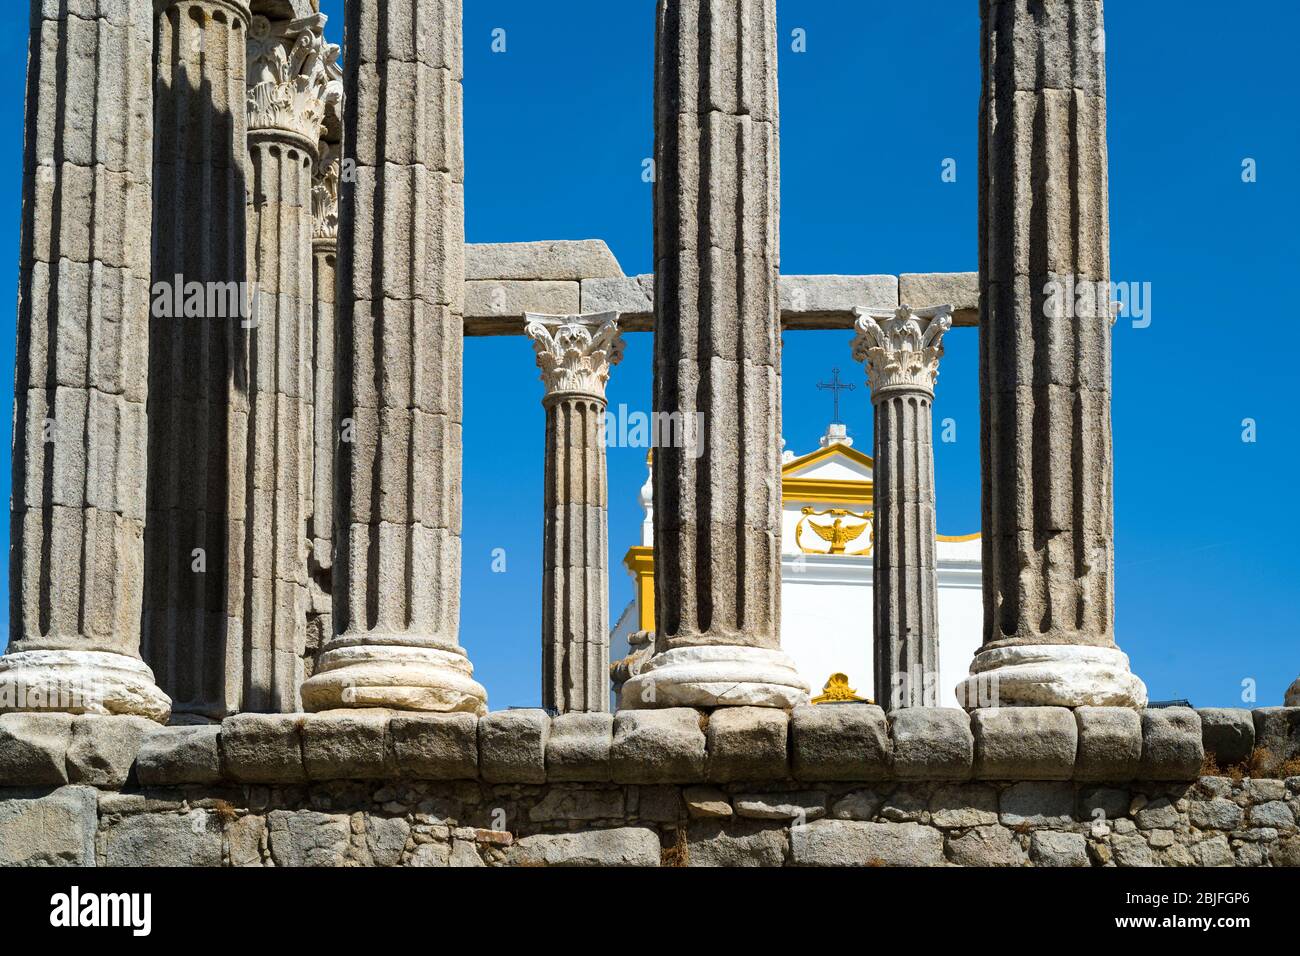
(1277, 730)
(747, 743)
(263, 748)
(580, 748)
(1228, 733)
(840, 742)
(812, 744)
(658, 746)
(180, 755)
(512, 746)
(932, 743)
(1110, 744)
(1172, 748)
(1024, 743)
(435, 746)
(348, 745)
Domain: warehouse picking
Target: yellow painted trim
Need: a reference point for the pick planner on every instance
(821, 454)
(957, 538)
(640, 560)
(828, 491)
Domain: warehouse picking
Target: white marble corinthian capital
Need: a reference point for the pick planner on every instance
(293, 76)
(575, 352)
(901, 348)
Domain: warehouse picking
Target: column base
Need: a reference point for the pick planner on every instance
(1293, 695)
(1052, 675)
(716, 676)
(81, 682)
(394, 676)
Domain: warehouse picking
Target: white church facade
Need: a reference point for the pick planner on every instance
(826, 579)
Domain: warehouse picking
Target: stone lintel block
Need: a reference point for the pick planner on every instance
(347, 745)
(34, 749)
(1228, 733)
(632, 297)
(658, 746)
(748, 743)
(1110, 744)
(572, 260)
(180, 755)
(511, 298)
(932, 743)
(1277, 730)
(840, 742)
(263, 748)
(1024, 743)
(512, 746)
(824, 295)
(1171, 744)
(961, 290)
(579, 747)
(103, 748)
(435, 746)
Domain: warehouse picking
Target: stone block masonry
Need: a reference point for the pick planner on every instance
(745, 786)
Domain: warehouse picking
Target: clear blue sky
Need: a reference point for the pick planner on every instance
(556, 131)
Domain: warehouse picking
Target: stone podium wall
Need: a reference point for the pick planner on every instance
(825, 786)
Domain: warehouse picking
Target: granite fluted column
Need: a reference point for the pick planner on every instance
(291, 74)
(902, 350)
(81, 383)
(575, 354)
(717, 363)
(324, 429)
(198, 372)
(402, 277)
(1046, 459)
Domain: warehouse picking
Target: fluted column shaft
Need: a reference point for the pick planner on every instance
(320, 567)
(198, 374)
(717, 361)
(81, 381)
(289, 78)
(401, 276)
(902, 352)
(575, 354)
(1048, 522)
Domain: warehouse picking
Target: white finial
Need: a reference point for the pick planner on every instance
(837, 433)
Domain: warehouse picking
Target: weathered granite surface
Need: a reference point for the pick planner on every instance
(749, 786)
(505, 280)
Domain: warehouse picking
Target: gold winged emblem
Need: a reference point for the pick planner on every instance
(837, 534)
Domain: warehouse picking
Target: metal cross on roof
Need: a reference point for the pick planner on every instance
(835, 386)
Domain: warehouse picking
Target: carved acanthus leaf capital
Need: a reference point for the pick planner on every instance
(575, 352)
(293, 76)
(325, 192)
(901, 348)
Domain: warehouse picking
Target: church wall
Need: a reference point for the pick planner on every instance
(826, 785)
